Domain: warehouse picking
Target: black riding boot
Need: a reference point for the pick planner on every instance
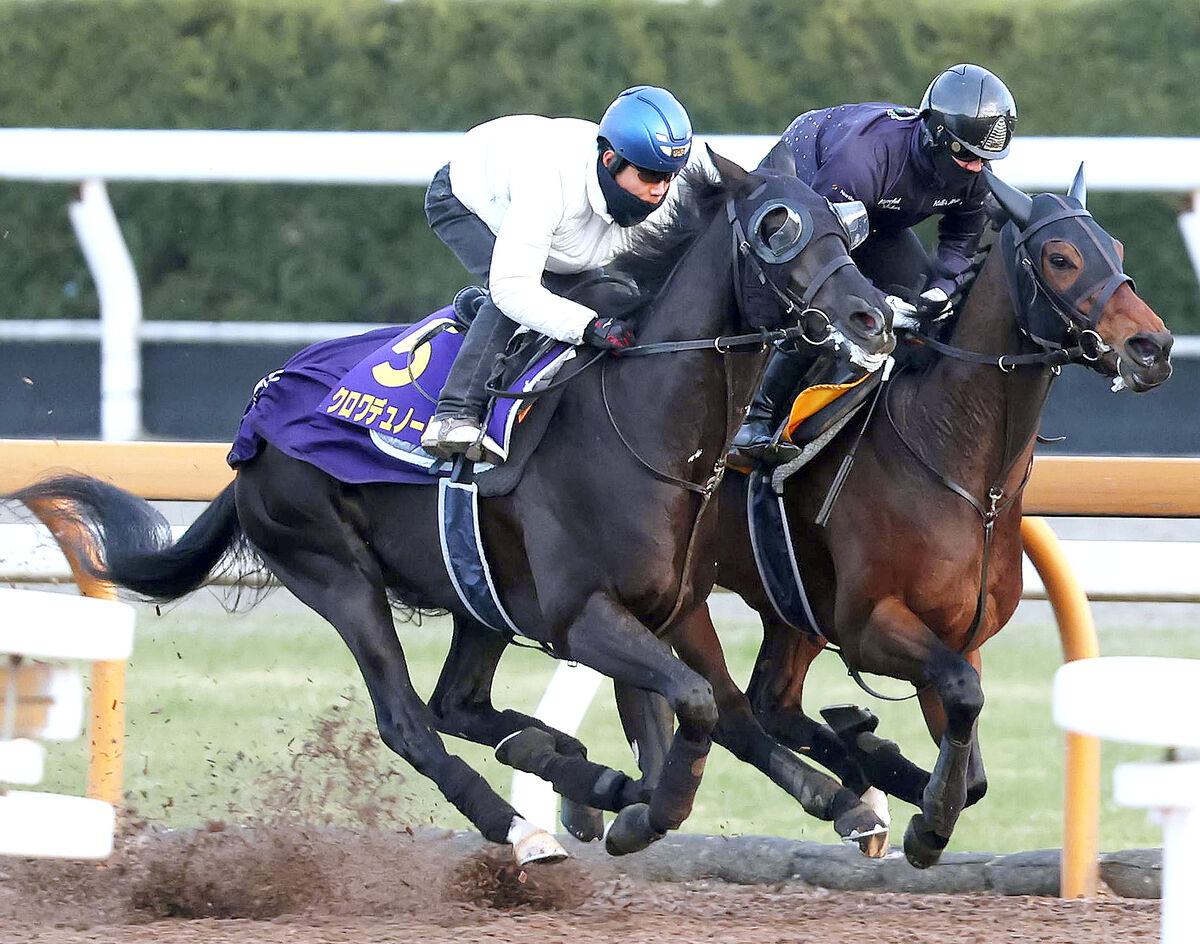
(456, 422)
(769, 405)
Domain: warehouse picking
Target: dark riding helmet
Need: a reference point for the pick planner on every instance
(647, 127)
(970, 113)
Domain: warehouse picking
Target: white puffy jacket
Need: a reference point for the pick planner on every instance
(532, 180)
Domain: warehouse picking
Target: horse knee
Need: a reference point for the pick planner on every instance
(962, 696)
(696, 707)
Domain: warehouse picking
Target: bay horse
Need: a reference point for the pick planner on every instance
(918, 561)
(594, 548)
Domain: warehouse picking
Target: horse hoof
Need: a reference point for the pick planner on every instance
(585, 823)
(861, 824)
(922, 848)
(539, 846)
(631, 831)
(875, 845)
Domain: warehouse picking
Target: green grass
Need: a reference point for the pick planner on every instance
(252, 715)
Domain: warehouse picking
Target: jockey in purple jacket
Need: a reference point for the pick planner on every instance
(905, 165)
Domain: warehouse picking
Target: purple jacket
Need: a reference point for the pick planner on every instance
(872, 152)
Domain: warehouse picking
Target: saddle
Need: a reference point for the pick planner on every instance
(818, 412)
(355, 407)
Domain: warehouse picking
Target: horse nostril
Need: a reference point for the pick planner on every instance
(1145, 350)
(867, 323)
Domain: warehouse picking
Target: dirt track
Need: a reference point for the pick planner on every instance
(232, 886)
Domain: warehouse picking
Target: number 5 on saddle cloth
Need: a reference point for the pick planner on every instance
(355, 408)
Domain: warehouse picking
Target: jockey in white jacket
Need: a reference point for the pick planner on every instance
(531, 226)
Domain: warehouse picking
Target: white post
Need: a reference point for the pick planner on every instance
(563, 706)
(120, 312)
(1180, 909)
(1189, 226)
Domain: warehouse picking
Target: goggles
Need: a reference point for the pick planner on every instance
(654, 176)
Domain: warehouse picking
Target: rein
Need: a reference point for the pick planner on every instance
(741, 249)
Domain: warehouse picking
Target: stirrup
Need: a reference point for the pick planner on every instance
(752, 439)
(450, 436)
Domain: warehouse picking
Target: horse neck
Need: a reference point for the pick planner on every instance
(682, 397)
(975, 421)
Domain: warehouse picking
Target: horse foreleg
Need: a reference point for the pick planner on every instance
(739, 732)
(935, 721)
(463, 704)
(607, 637)
(897, 643)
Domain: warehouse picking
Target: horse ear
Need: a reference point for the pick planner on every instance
(781, 159)
(734, 178)
(732, 175)
(1079, 187)
(1018, 205)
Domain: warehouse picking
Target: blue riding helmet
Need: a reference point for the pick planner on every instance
(647, 127)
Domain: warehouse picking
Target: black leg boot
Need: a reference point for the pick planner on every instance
(772, 400)
(455, 427)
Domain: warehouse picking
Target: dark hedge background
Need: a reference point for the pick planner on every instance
(228, 252)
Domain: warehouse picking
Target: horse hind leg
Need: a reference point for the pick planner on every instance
(462, 703)
(880, 760)
(292, 517)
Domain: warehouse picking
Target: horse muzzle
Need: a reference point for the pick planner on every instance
(870, 328)
(1144, 361)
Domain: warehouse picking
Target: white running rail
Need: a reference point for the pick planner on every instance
(1156, 701)
(43, 638)
(92, 156)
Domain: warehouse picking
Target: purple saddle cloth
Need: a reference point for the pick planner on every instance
(355, 407)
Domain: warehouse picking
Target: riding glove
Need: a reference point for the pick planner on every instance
(608, 333)
(904, 314)
(933, 303)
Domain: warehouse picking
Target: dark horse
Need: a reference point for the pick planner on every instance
(594, 547)
(919, 560)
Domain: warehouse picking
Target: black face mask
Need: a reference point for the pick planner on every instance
(623, 206)
(949, 170)
(941, 160)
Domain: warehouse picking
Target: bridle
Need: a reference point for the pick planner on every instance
(1039, 307)
(743, 251)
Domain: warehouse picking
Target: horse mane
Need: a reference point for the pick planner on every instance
(654, 251)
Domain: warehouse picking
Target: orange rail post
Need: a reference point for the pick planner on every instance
(1081, 818)
(106, 757)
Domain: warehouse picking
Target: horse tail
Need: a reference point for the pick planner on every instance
(121, 538)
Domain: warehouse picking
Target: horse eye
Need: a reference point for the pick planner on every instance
(1059, 261)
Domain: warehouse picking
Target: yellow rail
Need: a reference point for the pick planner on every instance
(1060, 485)
(1130, 487)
